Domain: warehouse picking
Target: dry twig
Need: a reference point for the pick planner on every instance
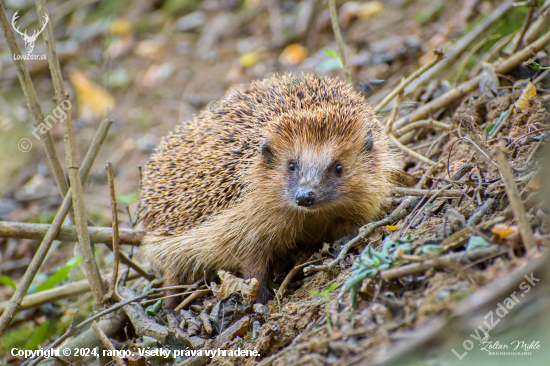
(85, 340)
(51, 234)
(394, 112)
(439, 55)
(526, 23)
(339, 39)
(189, 299)
(399, 191)
(104, 235)
(462, 45)
(429, 123)
(396, 216)
(73, 330)
(107, 344)
(71, 156)
(411, 152)
(33, 104)
(59, 293)
(512, 192)
(116, 241)
(453, 95)
(293, 272)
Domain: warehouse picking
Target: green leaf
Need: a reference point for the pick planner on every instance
(336, 56)
(536, 66)
(126, 199)
(492, 128)
(5, 280)
(476, 242)
(430, 249)
(331, 288)
(429, 13)
(58, 276)
(149, 342)
(153, 309)
(41, 334)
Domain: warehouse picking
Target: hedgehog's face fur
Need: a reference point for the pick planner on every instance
(321, 159)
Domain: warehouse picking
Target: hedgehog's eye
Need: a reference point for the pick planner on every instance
(338, 169)
(292, 166)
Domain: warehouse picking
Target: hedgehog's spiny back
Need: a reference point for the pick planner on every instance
(202, 168)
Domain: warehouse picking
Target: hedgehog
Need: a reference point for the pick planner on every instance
(286, 163)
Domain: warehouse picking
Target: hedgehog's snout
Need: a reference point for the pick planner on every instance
(305, 198)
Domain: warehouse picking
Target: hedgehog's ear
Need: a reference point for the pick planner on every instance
(267, 153)
(368, 144)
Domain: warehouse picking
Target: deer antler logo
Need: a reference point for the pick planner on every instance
(29, 40)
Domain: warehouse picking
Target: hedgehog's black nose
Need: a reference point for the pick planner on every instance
(305, 198)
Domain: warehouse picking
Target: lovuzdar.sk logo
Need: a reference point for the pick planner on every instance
(29, 40)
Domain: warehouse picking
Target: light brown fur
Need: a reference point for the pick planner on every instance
(210, 200)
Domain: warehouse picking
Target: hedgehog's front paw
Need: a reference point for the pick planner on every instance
(172, 302)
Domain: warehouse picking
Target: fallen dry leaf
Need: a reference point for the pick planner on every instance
(534, 185)
(156, 74)
(120, 27)
(352, 10)
(528, 93)
(502, 231)
(120, 46)
(488, 82)
(249, 59)
(93, 99)
(231, 284)
(370, 9)
(152, 49)
(293, 55)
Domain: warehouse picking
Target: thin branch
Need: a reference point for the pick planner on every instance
(33, 104)
(443, 261)
(454, 94)
(25, 230)
(86, 322)
(339, 39)
(394, 111)
(88, 339)
(293, 272)
(394, 217)
(439, 55)
(107, 344)
(51, 50)
(20, 230)
(51, 234)
(411, 152)
(526, 23)
(59, 293)
(540, 24)
(81, 222)
(198, 294)
(399, 191)
(171, 295)
(116, 241)
(471, 53)
(491, 53)
(462, 45)
(428, 123)
(512, 192)
(524, 54)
